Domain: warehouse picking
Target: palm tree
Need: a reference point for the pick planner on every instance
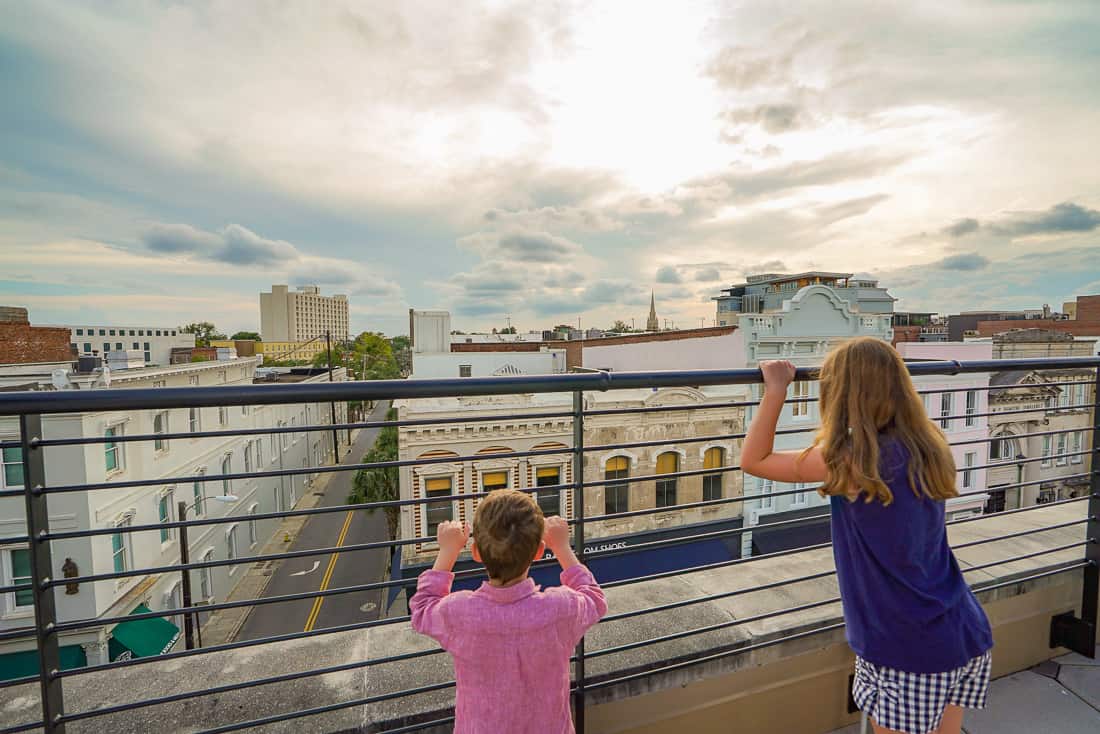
(380, 484)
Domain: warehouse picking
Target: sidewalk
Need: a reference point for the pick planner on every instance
(223, 625)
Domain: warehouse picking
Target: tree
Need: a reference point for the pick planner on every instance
(401, 346)
(505, 330)
(369, 357)
(204, 331)
(620, 327)
(381, 484)
(252, 335)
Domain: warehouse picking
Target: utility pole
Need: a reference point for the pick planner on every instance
(335, 433)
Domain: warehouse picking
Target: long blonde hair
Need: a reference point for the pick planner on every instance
(866, 390)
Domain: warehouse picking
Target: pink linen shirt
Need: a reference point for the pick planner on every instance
(511, 647)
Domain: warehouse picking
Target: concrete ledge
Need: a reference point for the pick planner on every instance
(750, 687)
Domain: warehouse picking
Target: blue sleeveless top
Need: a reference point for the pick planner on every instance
(906, 604)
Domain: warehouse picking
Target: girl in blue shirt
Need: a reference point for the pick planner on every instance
(921, 639)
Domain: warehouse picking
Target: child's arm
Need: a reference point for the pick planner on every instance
(432, 588)
(588, 604)
(757, 455)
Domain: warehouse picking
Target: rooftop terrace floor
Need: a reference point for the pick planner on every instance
(1060, 696)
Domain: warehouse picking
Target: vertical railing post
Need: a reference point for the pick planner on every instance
(578, 536)
(1066, 630)
(1092, 550)
(45, 611)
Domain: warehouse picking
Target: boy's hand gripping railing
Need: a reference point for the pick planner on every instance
(1067, 630)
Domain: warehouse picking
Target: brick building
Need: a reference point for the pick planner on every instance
(21, 343)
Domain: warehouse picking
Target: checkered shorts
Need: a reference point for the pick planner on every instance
(914, 702)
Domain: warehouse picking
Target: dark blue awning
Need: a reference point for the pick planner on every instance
(790, 537)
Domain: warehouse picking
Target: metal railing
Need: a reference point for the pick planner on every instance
(1075, 632)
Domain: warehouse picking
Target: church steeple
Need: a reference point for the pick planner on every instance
(652, 324)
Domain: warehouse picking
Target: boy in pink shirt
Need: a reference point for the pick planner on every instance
(510, 641)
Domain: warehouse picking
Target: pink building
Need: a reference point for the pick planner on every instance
(965, 396)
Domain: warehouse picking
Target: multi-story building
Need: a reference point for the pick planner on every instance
(959, 404)
(156, 343)
(120, 508)
(21, 343)
(767, 293)
(302, 314)
(1061, 412)
(705, 412)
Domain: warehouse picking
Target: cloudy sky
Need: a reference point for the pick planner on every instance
(164, 161)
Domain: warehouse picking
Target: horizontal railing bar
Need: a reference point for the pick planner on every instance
(987, 388)
(276, 718)
(21, 727)
(11, 683)
(673, 408)
(420, 726)
(15, 539)
(229, 519)
(1029, 508)
(710, 628)
(111, 400)
(231, 687)
(1005, 437)
(1033, 577)
(1021, 533)
(1045, 551)
(76, 672)
(16, 587)
(1004, 487)
(714, 597)
(713, 566)
(689, 439)
(329, 469)
(274, 430)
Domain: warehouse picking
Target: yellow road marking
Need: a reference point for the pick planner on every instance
(312, 618)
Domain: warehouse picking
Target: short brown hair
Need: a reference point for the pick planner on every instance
(508, 528)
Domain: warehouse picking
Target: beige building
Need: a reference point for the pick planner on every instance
(503, 434)
(1047, 409)
(302, 314)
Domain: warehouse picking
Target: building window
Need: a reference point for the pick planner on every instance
(252, 535)
(1079, 396)
(293, 434)
(158, 332)
(1002, 449)
(767, 486)
(969, 459)
(131, 332)
(947, 404)
(800, 390)
(197, 489)
(206, 589)
(549, 501)
(616, 497)
(1047, 443)
(667, 463)
(227, 467)
(120, 547)
(112, 451)
(244, 410)
(223, 415)
(193, 380)
(103, 332)
(283, 436)
(118, 346)
(194, 420)
(247, 457)
(111, 332)
(799, 499)
(465, 370)
(971, 407)
(16, 572)
(231, 545)
(164, 515)
(106, 347)
(87, 348)
(437, 512)
(1061, 459)
(259, 453)
(1064, 396)
(492, 480)
(160, 426)
(80, 332)
(135, 346)
(714, 458)
(11, 468)
(1078, 442)
(147, 347)
(868, 322)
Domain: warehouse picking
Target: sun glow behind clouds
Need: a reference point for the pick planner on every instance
(629, 97)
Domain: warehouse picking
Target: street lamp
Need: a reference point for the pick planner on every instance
(188, 624)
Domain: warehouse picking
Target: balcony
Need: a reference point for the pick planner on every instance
(718, 645)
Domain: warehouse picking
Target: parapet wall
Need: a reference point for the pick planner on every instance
(751, 675)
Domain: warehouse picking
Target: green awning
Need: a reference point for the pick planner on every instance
(142, 638)
(21, 664)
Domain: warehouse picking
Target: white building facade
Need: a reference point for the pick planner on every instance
(155, 343)
(160, 461)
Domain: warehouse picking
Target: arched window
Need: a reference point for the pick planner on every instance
(714, 458)
(616, 496)
(667, 463)
(1003, 448)
(227, 467)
